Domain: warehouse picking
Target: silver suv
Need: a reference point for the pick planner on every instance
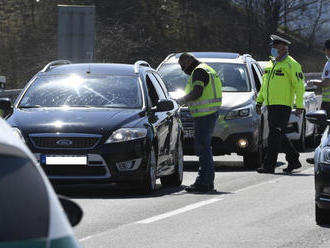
(239, 128)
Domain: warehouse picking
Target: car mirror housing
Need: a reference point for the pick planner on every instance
(73, 211)
(5, 107)
(318, 117)
(164, 105)
(310, 88)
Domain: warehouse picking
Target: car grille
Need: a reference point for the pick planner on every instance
(65, 141)
(186, 119)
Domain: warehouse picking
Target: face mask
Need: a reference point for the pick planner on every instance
(274, 52)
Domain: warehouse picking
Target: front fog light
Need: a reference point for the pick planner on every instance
(242, 143)
(128, 165)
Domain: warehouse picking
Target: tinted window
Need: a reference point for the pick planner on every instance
(24, 208)
(84, 91)
(256, 76)
(234, 77)
(159, 90)
(160, 81)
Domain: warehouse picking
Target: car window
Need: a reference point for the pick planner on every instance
(158, 88)
(153, 97)
(256, 76)
(234, 77)
(160, 81)
(24, 208)
(84, 91)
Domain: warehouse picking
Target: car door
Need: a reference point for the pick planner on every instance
(173, 121)
(161, 123)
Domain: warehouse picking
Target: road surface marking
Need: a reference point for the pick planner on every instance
(206, 202)
(180, 210)
(194, 206)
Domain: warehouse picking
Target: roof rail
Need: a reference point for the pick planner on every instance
(169, 56)
(245, 56)
(139, 63)
(55, 63)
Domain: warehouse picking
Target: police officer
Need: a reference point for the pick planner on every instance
(283, 81)
(203, 98)
(325, 83)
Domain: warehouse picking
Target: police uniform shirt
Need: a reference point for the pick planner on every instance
(326, 71)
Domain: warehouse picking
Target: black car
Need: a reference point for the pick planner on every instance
(321, 163)
(89, 123)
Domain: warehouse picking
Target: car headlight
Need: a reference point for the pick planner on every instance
(325, 156)
(18, 133)
(127, 134)
(238, 113)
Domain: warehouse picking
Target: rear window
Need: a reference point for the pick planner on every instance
(24, 207)
(234, 77)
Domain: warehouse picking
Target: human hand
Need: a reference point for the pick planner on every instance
(258, 109)
(299, 111)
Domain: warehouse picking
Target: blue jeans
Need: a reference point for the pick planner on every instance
(204, 127)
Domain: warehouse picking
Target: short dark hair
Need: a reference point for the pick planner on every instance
(185, 57)
(327, 44)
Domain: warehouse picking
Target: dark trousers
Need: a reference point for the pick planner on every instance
(325, 106)
(278, 118)
(204, 127)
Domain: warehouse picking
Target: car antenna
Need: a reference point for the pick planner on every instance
(89, 69)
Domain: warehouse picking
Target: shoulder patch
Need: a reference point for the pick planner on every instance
(301, 76)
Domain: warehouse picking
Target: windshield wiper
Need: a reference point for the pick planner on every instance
(30, 106)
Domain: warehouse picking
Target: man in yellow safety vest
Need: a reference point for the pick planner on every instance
(203, 98)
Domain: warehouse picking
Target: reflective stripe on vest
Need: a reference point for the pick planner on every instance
(207, 109)
(219, 99)
(326, 94)
(205, 102)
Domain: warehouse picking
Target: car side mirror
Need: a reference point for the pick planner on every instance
(164, 105)
(318, 117)
(310, 88)
(73, 211)
(5, 107)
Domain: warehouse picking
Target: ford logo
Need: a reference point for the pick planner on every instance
(64, 142)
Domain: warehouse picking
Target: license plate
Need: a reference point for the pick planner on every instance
(188, 133)
(63, 160)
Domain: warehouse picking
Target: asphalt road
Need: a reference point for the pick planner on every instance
(247, 210)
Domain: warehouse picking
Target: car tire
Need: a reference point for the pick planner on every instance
(176, 178)
(148, 184)
(322, 216)
(301, 143)
(255, 160)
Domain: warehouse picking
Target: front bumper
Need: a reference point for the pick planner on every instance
(322, 186)
(105, 163)
(226, 134)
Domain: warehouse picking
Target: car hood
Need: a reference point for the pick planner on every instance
(87, 120)
(230, 100)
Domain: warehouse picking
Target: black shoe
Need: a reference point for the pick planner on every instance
(199, 188)
(291, 167)
(265, 171)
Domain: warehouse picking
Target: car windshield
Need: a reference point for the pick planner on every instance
(108, 91)
(234, 77)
